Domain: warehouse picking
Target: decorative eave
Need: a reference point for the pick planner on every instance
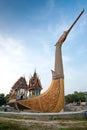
(21, 83)
(35, 88)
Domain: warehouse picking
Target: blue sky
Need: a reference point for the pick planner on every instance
(29, 30)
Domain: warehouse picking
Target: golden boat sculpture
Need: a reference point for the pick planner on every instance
(53, 99)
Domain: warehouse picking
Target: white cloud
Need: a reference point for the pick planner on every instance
(10, 54)
(17, 60)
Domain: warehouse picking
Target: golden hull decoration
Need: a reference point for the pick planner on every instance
(50, 101)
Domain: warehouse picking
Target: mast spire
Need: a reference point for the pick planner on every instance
(75, 21)
(64, 35)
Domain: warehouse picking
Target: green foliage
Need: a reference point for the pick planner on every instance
(6, 125)
(76, 97)
(7, 98)
(11, 126)
(3, 99)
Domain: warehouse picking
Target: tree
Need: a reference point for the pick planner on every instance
(3, 99)
(7, 98)
(76, 97)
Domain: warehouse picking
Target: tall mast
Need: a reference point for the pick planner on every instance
(58, 70)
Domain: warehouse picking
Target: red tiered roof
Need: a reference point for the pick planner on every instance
(34, 82)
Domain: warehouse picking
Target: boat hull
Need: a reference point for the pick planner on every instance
(50, 101)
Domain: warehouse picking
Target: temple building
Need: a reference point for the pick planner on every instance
(18, 89)
(34, 86)
(21, 90)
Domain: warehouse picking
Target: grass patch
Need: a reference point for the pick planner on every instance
(11, 126)
(15, 126)
(16, 122)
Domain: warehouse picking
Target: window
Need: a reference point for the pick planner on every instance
(37, 92)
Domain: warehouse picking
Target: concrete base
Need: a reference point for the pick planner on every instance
(50, 116)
